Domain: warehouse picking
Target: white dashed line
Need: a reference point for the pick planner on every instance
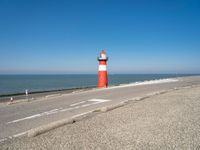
(22, 119)
(78, 103)
(54, 111)
(66, 109)
(86, 105)
(34, 116)
(12, 136)
(19, 134)
(81, 114)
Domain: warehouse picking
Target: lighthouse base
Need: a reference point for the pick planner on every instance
(102, 79)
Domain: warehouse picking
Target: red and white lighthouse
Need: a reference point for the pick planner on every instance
(102, 73)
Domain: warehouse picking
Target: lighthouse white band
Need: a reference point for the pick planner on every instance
(102, 67)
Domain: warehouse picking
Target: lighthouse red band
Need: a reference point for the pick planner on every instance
(102, 73)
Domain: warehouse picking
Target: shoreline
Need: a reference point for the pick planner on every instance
(21, 91)
(45, 91)
(38, 94)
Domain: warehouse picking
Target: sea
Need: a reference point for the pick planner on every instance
(16, 84)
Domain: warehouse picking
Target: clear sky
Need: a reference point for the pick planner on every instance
(66, 36)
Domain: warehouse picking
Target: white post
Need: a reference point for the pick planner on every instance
(11, 99)
(26, 92)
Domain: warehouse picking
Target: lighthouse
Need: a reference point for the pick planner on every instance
(102, 72)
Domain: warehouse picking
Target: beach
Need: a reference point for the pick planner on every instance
(154, 115)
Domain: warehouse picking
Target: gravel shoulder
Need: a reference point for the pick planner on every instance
(167, 121)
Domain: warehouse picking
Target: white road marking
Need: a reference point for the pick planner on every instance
(99, 100)
(77, 107)
(50, 112)
(86, 105)
(81, 114)
(34, 116)
(66, 109)
(54, 111)
(78, 103)
(29, 117)
(13, 136)
(19, 134)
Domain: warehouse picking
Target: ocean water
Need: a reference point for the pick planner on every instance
(13, 84)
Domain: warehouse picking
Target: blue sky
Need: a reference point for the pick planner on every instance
(65, 37)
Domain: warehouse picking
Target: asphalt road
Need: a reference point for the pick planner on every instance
(16, 119)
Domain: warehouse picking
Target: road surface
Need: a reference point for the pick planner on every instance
(18, 118)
